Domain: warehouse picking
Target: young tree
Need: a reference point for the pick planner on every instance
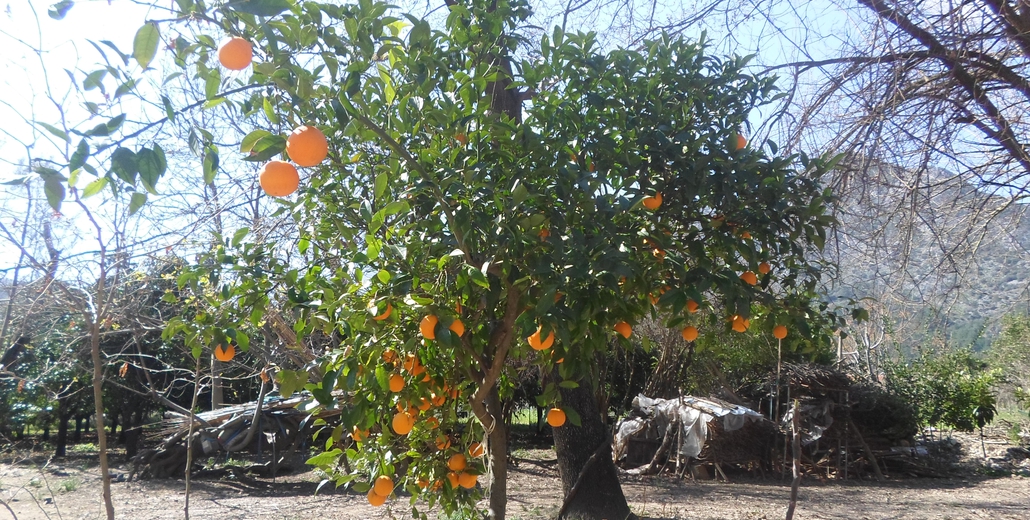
(467, 208)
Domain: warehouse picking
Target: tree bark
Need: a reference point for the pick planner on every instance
(598, 493)
(497, 443)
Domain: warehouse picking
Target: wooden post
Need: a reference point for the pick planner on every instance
(796, 445)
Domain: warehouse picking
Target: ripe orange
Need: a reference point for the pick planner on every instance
(477, 450)
(741, 142)
(385, 314)
(745, 235)
(749, 277)
(374, 499)
(462, 138)
(779, 331)
(544, 233)
(457, 462)
(659, 254)
(428, 327)
(467, 480)
(652, 203)
(402, 423)
(437, 400)
(457, 327)
(422, 482)
(690, 333)
(235, 53)
(764, 268)
(443, 442)
(279, 178)
(389, 356)
(740, 324)
(358, 434)
(624, 328)
(555, 417)
(452, 477)
(307, 146)
(225, 354)
(433, 423)
(691, 306)
(396, 383)
(536, 343)
(383, 486)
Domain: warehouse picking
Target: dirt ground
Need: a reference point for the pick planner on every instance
(34, 488)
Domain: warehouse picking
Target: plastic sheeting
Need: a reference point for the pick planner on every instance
(652, 417)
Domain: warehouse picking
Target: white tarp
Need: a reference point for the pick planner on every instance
(652, 417)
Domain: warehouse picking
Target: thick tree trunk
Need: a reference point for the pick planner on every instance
(592, 492)
(498, 459)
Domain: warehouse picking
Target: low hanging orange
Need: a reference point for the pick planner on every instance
(225, 354)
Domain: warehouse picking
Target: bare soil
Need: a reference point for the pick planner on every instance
(33, 487)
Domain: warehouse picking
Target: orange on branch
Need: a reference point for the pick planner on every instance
(624, 329)
(690, 333)
(396, 383)
(307, 146)
(461, 138)
(279, 178)
(443, 442)
(740, 324)
(779, 331)
(691, 306)
(428, 327)
(740, 142)
(235, 53)
(385, 314)
(375, 499)
(467, 480)
(383, 486)
(555, 417)
(433, 423)
(544, 233)
(358, 434)
(225, 354)
(745, 235)
(437, 400)
(457, 327)
(389, 356)
(764, 268)
(457, 462)
(422, 482)
(402, 423)
(652, 203)
(477, 450)
(540, 344)
(452, 477)
(424, 404)
(749, 277)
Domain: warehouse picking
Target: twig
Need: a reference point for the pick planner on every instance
(579, 480)
(189, 438)
(9, 510)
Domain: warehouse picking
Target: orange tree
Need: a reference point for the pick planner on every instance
(465, 214)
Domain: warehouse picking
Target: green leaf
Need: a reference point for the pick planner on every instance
(54, 190)
(239, 235)
(266, 147)
(144, 45)
(54, 130)
(324, 459)
(212, 80)
(261, 7)
(94, 187)
(248, 142)
(114, 123)
(94, 80)
(210, 163)
(568, 384)
(60, 9)
(380, 184)
(123, 164)
(136, 202)
(169, 111)
(151, 167)
(79, 156)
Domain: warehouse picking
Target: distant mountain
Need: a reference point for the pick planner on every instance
(940, 257)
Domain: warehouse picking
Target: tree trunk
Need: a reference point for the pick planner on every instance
(63, 416)
(217, 395)
(594, 492)
(497, 443)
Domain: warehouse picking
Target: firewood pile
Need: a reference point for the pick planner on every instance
(273, 424)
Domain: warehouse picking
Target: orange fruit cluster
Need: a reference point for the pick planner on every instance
(382, 487)
(306, 146)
